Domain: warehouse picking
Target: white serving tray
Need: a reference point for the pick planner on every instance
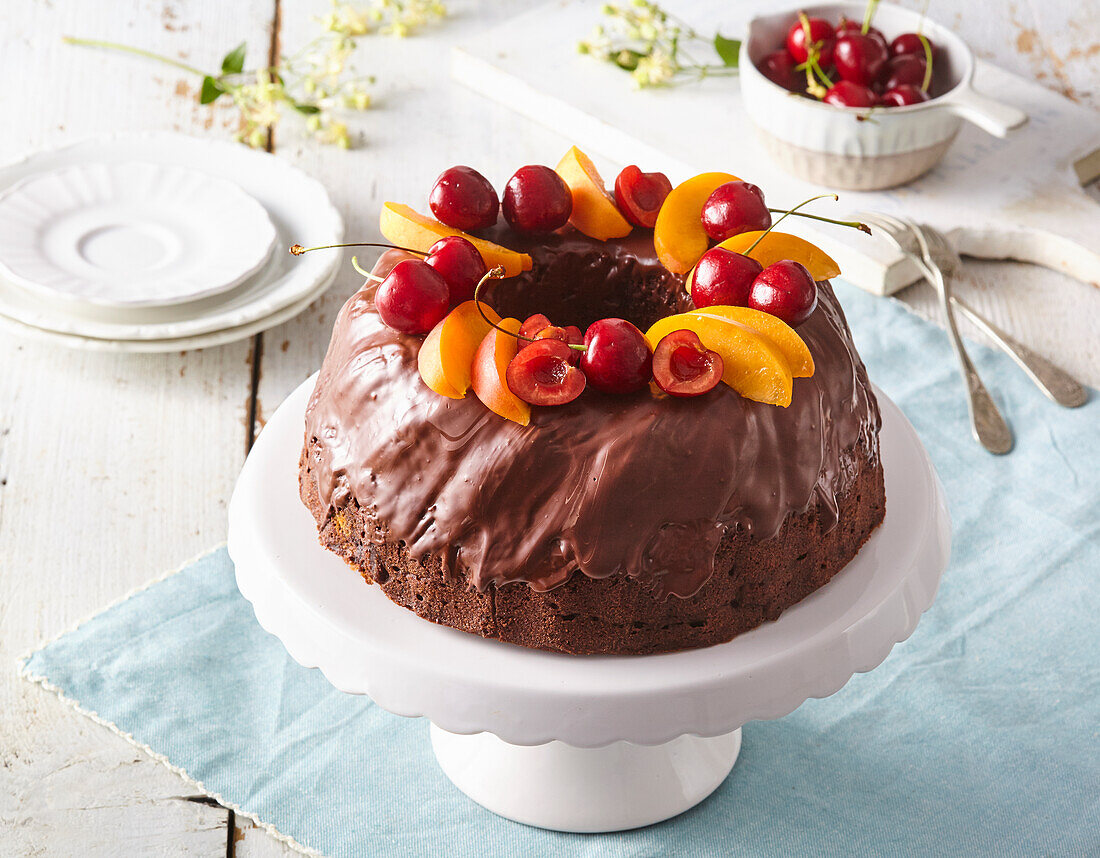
(1018, 198)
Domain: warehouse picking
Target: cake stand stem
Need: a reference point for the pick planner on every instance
(565, 788)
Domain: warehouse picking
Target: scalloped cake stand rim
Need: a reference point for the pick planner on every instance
(327, 617)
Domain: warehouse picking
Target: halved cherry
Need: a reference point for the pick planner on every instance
(538, 327)
(532, 326)
(639, 195)
(683, 366)
(543, 374)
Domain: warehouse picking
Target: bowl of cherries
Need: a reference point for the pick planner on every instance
(861, 96)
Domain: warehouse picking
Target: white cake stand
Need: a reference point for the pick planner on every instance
(580, 743)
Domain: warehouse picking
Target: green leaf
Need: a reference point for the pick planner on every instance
(307, 109)
(211, 89)
(727, 49)
(233, 63)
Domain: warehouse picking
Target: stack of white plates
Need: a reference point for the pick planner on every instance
(159, 242)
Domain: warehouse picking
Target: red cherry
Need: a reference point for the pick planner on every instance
(733, 208)
(537, 200)
(779, 68)
(683, 366)
(461, 265)
(785, 289)
(414, 298)
(847, 94)
(616, 357)
(910, 43)
(464, 199)
(543, 374)
(639, 195)
(723, 277)
(903, 96)
(848, 28)
(538, 327)
(904, 70)
(859, 58)
(820, 31)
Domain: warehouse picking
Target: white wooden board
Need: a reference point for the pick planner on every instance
(1018, 198)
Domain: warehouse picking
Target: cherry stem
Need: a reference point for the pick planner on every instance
(813, 50)
(496, 273)
(928, 62)
(776, 223)
(367, 274)
(854, 224)
(298, 250)
(868, 15)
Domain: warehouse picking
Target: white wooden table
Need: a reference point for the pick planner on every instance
(115, 468)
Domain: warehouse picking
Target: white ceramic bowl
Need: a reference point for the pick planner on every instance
(865, 148)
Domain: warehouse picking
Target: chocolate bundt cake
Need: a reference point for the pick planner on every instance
(620, 524)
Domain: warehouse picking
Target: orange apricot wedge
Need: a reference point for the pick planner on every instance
(406, 227)
(772, 328)
(678, 236)
(753, 365)
(446, 356)
(594, 210)
(777, 246)
(489, 374)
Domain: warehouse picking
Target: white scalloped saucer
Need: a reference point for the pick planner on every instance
(297, 206)
(621, 741)
(131, 234)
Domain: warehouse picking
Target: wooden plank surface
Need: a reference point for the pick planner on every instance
(111, 467)
(114, 468)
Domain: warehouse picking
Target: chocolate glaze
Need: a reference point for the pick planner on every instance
(606, 485)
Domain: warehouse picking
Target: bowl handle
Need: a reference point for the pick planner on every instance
(992, 116)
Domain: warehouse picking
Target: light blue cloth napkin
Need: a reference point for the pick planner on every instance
(978, 736)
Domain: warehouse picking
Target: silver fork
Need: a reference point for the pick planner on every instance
(986, 422)
(1054, 381)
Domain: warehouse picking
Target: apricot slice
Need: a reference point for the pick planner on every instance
(406, 227)
(490, 374)
(678, 236)
(754, 366)
(772, 328)
(447, 354)
(594, 210)
(777, 246)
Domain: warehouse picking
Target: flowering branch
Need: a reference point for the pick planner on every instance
(653, 45)
(315, 82)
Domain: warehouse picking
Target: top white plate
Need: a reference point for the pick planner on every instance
(298, 206)
(327, 617)
(133, 234)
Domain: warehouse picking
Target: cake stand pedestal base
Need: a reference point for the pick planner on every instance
(565, 788)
